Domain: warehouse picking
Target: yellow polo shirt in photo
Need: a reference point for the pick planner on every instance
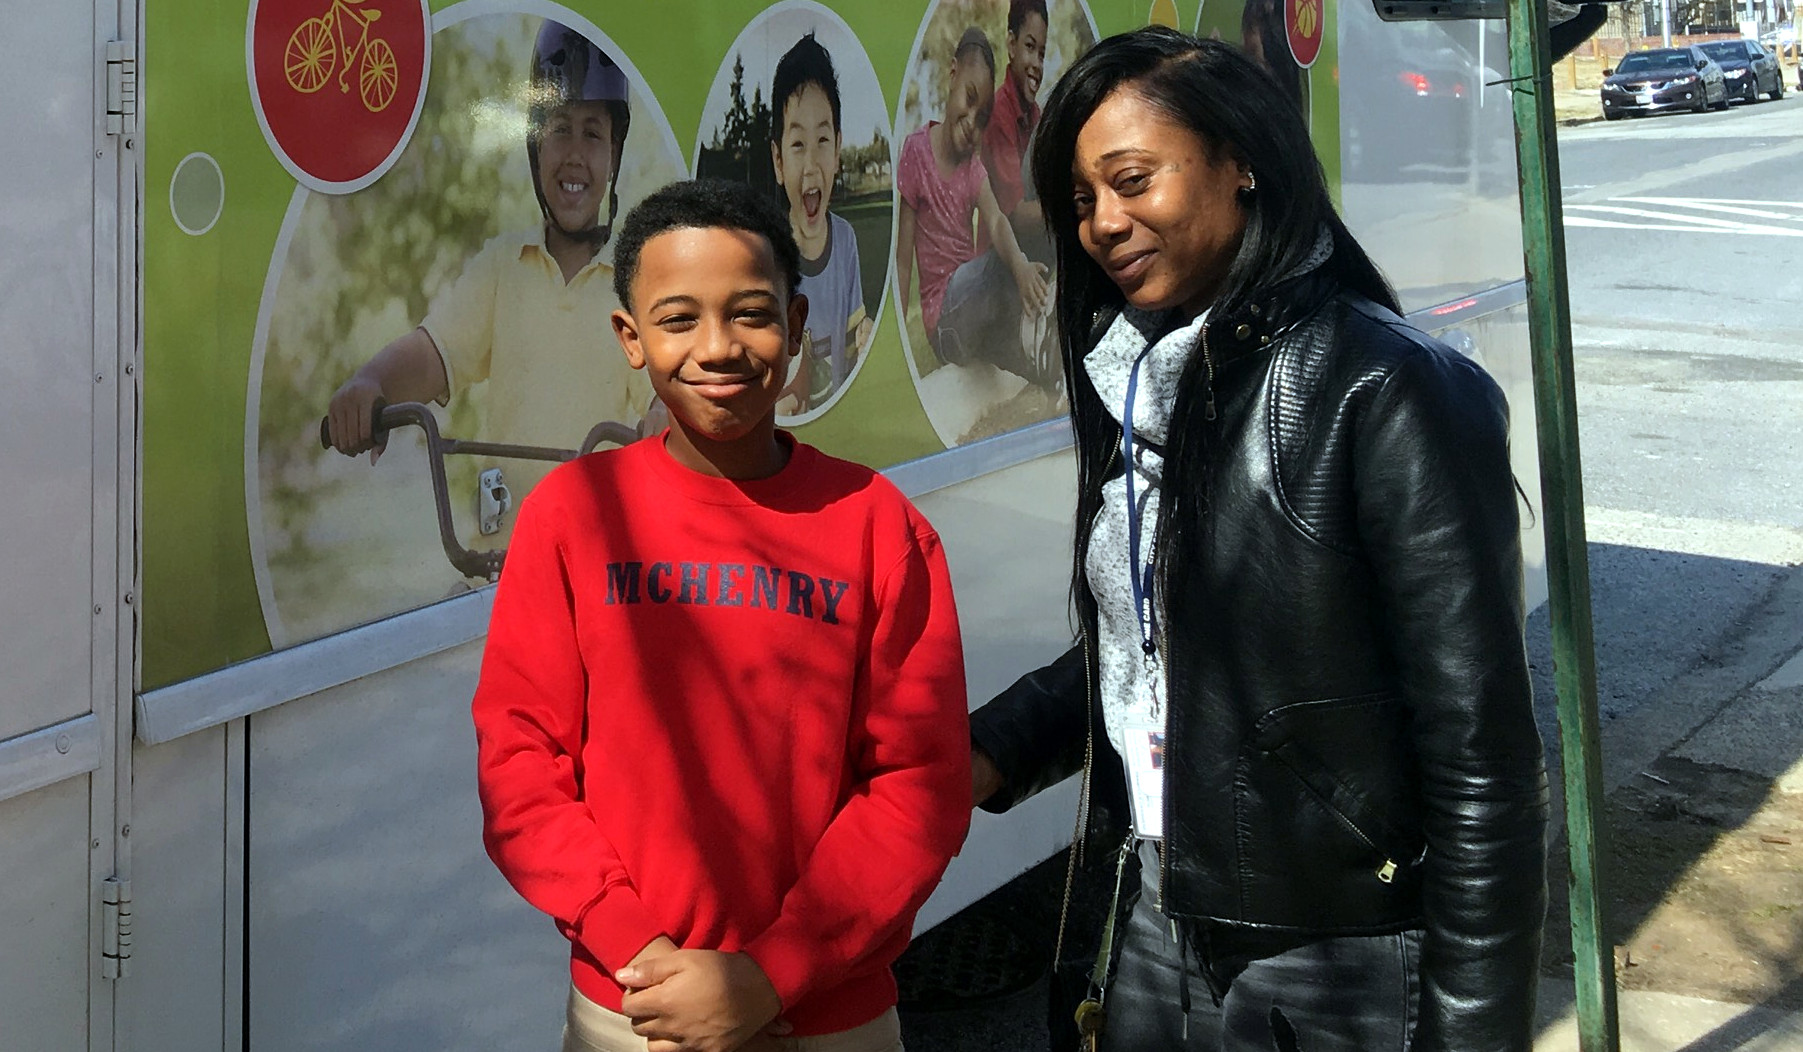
(545, 348)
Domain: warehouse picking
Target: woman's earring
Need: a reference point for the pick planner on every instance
(1251, 181)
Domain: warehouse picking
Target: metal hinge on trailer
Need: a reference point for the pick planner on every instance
(121, 87)
(115, 938)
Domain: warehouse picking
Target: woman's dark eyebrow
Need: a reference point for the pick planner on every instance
(1123, 151)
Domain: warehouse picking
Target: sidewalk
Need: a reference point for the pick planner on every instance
(1579, 106)
(1706, 890)
(1655, 1022)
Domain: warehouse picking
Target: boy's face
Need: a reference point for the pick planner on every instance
(575, 163)
(807, 159)
(1026, 53)
(714, 327)
(967, 105)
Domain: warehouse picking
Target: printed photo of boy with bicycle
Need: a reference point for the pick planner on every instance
(465, 297)
(528, 315)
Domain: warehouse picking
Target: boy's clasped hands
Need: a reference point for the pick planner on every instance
(699, 1000)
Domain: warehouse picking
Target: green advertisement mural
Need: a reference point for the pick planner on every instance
(391, 212)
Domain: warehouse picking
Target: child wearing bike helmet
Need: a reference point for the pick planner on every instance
(529, 314)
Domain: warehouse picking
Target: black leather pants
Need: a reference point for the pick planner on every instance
(1349, 994)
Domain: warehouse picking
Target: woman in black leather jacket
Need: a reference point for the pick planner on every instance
(1305, 640)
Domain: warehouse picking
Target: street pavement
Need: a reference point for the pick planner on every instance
(1685, 255)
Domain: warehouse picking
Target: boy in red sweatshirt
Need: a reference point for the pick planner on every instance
(721, 722)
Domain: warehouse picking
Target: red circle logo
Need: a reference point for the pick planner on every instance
(1303, 21)
(338, 84)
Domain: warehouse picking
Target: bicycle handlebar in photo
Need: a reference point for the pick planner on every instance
(385, 417)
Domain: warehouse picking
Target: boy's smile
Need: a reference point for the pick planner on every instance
(807, 163)
(1026, 53)
(714, 327)
(575, 162)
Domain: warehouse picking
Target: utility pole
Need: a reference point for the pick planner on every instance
(1665, 22)
(1562, 498)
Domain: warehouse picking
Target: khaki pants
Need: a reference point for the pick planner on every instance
(591, 1028)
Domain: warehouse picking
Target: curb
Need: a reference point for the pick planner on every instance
(1659, 1022)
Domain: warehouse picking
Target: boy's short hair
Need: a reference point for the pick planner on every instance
(701, 204)
(976, 40)
(806, 63)
(1018, 10)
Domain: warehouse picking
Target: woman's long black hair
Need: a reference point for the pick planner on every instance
(1235, 108)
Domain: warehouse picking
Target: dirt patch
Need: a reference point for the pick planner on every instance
(1704, 886)
(1030, 405)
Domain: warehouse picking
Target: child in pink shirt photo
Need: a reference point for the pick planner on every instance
(975, 306)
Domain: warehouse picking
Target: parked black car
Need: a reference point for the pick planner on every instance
(1748, 68)
(1672, 78)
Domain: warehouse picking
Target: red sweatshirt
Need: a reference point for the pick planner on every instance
(730, 712)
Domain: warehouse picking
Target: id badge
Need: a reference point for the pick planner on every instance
(1145, 780)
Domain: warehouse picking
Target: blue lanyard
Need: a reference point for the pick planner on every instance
(1138, 575)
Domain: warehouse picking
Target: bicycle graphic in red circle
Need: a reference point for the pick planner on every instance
(338, 84)
(1303, 21)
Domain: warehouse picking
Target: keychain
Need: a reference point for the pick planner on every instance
(1091, 1013)
(1089, 1024)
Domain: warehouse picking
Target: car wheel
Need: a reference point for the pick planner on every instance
(1722, 105)
(1611, 115)
(1702, 103)
(1752, 91)
(1778, 88)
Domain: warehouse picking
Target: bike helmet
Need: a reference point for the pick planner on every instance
(567, 67)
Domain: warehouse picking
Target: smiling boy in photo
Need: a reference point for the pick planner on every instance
(805, 139)
(1013, 122)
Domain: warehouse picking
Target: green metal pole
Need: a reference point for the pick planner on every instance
(1562, 494)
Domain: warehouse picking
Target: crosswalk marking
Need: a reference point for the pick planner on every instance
(1647, 213)
(1586, 221)
(1737, 208)
(1714, 201)
(1691, 215)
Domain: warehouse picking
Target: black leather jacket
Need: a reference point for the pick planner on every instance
(1350, 742)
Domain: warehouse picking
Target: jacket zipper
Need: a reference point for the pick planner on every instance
(1385, 872)
(1164, 668)
(1164, 802)
(1078, 835)
(1208, 387)
(1089, 754)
